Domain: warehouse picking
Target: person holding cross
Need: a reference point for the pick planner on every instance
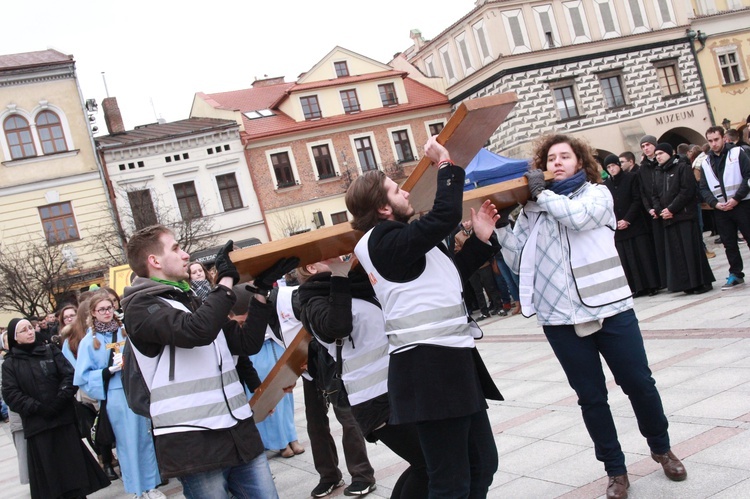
(97, 373)
(436, 377)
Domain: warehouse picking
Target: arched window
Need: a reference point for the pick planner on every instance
(50, 132)
(18, 134)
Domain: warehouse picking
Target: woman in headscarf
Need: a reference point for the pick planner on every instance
(674, 202)
(38, 385)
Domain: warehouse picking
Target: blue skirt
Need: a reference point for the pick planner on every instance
(278, 429)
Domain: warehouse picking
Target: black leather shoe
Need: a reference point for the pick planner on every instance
(110, 472)
(617, 487)
(673, 467)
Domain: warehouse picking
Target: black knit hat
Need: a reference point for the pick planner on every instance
(664, 147)
(611, 159)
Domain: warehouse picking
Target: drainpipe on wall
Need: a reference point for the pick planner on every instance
(702, 37)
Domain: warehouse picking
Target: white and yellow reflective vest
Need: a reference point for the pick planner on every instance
(732, 176)
(205, 394)
(427, 310)
(365, 355)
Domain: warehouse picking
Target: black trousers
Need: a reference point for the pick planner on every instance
(727, 224)
(404, 441)
(325, 456)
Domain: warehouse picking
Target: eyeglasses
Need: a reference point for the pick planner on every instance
(104, 310)
(69, 318)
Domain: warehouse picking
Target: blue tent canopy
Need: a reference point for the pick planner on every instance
(489, 168)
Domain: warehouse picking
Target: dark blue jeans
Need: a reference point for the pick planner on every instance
(461, 456)
(621, 344)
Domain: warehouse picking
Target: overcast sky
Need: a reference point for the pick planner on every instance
(157, 54)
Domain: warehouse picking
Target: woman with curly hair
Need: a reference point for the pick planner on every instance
(97, 372)
(571, 278)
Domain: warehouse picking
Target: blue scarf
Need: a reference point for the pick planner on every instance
(570, 184)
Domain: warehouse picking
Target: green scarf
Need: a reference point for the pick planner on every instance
(183, 285)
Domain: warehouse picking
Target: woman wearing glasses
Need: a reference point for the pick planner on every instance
(98, 374)
(38, 385)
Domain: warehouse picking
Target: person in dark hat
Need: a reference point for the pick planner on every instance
(38, 385)
(633, 237)
(674, 202)
(646, 175)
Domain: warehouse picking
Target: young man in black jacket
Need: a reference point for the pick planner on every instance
(203, 427)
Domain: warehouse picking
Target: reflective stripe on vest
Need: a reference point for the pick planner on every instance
(732, 175)
(206, 392)
(426, 310)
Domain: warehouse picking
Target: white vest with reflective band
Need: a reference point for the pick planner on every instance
(595, 264)
(427, 310)
(365, 365)
(206, 393)
(288, 323)
(732, 175)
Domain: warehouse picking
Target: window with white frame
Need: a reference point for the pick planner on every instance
(282, 166)
(322, 158)
(515, 30)
(435, 127)
(606, 15)
(367, 155)
(482, 43)
(401, 141)
(18, 136)
(50, 132)
(665, 13)
(229, 191)
(612, 88)
(669, 78)
(566, 101)
(729, 64)
(636, 16)
(577, 23)
(546, 26)
(59, 222)
(464, 55)
(708, 7)
(445, 57)
(429, 66)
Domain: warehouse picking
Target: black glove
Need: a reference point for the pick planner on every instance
(58, 404)
(46, 411)
(536, 182)
(264, 281)
(224, 265)
(504, 216)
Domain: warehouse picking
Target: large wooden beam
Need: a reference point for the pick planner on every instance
(464, 135)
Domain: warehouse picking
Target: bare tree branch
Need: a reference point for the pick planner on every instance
(288, 222)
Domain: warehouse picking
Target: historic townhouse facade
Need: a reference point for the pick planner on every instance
(609, 71)
(51, 188)
(307, 140)
(189, 174)
(720, 33)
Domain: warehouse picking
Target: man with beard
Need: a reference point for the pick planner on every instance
(436, 378)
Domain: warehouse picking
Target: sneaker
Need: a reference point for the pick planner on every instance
(325, 488)
(153, 494)
(710, 254)
(500, 312)
(359, 489)
(732, 281)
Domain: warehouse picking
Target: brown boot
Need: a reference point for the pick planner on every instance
(673, 467)
(617, 487)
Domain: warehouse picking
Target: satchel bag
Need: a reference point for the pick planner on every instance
(102, 433)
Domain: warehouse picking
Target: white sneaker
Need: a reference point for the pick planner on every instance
(154, 494)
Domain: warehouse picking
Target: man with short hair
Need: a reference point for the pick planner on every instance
(436, 378)
(204, 433)
(725, 187)
(647, 174)
(732, 139)
(627, 162)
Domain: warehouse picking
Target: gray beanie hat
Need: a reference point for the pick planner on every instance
(650, 139)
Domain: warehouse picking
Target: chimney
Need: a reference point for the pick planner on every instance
(417, 38)
(112, 116)
(267, 82)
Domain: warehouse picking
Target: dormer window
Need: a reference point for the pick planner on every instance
(310, 107)
(388, 94)
(350, 101)
(341, 69)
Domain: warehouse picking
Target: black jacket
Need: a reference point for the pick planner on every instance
(152, 323)
(675, 188)
(37, 378)
(646, 176)
(626, 193)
